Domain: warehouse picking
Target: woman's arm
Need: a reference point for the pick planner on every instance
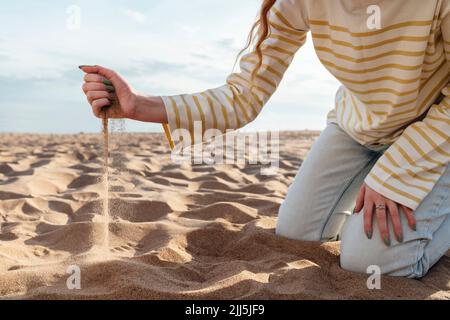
(150, 109)
(230, 106)
(242, 98)
(409, 169)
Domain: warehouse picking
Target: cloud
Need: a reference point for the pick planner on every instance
(135, 15)
(227, 43)
(5, 56)
(202, 56)
(153, 67)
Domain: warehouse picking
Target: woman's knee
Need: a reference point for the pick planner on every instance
(294, 225)
(284, 226)
(362, 255)
(352, 261)
(358, 253)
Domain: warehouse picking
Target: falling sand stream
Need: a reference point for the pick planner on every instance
(105, 207)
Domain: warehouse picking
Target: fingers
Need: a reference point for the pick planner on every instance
(89, 69)
(93, 77)
(100, 87)
(382, 206)
(107, 73)
(368, 217)
(360, 200)
(97, 106)
(396, 222)
(100, 99)
(409, 217)
(96, 95)
(382, 225)
(96, 86)
(93, 86)
(99, 92)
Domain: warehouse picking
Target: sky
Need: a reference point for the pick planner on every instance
(162, 47)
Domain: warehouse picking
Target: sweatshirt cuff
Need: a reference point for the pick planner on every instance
(383, 188)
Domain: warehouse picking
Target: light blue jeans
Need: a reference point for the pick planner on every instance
(320, 201)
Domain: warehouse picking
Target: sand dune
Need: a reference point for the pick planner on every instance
(177, 231)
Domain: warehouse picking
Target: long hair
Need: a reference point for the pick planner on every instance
(260, 31)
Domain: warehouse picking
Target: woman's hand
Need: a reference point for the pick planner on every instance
(107, 90)
(373, 202)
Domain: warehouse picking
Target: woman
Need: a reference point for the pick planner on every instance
(386, 150)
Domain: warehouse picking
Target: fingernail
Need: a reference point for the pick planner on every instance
(107, 83)
(414, 227)
(387, 241)
(110, 88)
(369, 234)
(400, 238)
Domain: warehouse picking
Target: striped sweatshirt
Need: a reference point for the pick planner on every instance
(394, 75)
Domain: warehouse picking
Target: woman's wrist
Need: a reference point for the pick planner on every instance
(149, 109)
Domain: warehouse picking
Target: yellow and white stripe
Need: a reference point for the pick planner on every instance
(391, 78)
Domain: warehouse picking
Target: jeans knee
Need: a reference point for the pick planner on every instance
(294, 226)
(362, 256)
(284, 227)
(351, 261)
(357, 252)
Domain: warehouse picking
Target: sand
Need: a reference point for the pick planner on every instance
(105, 181)
(176, 231)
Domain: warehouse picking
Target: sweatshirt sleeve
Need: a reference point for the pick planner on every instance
(410, 168)
(240, 100)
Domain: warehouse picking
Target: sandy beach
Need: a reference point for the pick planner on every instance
(176, 231)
